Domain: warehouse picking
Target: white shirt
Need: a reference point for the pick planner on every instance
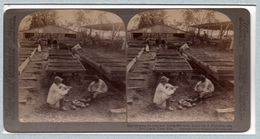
(184, 47)
(56, 93)
(206, 86)
(100, 87)
(162, 93)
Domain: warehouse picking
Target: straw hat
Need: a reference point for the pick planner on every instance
(58, 79)
(164, 79)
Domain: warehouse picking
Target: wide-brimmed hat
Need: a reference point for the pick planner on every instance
(164, 79)
(58, 78)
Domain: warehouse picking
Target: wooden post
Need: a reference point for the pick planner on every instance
(220, 35)
(113, 31)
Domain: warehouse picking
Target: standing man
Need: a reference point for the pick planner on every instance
(147, 44)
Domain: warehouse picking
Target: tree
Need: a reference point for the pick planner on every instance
(151, 18)
(197, 16)
(43, 18)
(89, 17)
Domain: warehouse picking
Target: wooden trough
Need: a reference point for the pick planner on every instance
(62, 61)
(112, 68)
(170, 61)
(25, 54)
(220, 66)
(133, 54)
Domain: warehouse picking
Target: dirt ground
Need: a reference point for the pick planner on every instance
(139, 110)
(32, 100)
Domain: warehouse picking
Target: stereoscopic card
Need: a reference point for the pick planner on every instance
(94, 69)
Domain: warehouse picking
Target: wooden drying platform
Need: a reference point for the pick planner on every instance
(112, 68)
(25, 54)
(133, 54)
(220, 66)
(170, 61)
(62, 61)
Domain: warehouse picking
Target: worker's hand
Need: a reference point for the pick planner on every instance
(69, 87)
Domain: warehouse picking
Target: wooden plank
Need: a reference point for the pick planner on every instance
(172, 70)
(63, 61)
(28, 78)
(61, 57)
(65, 70)
(104, 60)
(115, 69)
(114, 64)
(71, 68)
(23, 55)
(168, 57)
(171, 60)
(167, 54)
(177, 64)
(60, 54)
(65, 64)
(222, 69)
(223, 77)
(136, 78)
(29, 88)
(220, 63)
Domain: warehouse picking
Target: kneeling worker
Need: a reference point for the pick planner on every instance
(98, 87)
(204, 87)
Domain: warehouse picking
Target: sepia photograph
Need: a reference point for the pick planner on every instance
(180, 66)
(72, 67)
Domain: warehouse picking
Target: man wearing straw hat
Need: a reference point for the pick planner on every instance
(57, 93)
(163, 93)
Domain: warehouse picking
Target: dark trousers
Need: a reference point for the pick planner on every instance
(61, 102)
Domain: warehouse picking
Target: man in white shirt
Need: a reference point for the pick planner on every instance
(184, 47)
(57, 93)
(204, 87)
(163, 93)
(98, 87)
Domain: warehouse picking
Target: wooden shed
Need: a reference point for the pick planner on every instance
(51, 31)
(158, 31)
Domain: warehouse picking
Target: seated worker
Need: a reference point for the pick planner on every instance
(164, 44)
(56, 44)
(204, 87)
(57, 93)
(76, 47)
(184, 47)
(98, 88)
(163, 93)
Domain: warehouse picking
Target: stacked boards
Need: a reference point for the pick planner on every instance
(220, 66)
(62, 61)
(112, 68)
(170, 61)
